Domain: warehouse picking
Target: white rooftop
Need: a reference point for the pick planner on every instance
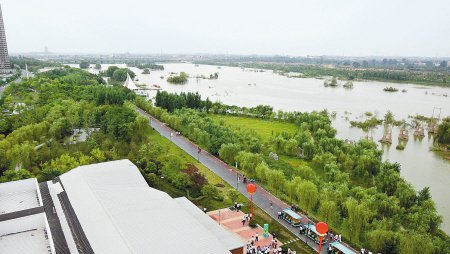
(25, 235)
(119, 213)
(19, 195)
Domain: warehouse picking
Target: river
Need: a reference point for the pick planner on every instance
(248, 87)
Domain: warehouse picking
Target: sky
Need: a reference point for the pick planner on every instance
(281, 27)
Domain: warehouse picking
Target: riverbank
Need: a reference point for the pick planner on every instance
(441, 79)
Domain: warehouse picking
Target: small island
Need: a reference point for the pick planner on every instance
(180, 79)
(390, 89)
(332, 83)
(348, 85)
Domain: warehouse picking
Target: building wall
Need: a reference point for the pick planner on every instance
(4, 58)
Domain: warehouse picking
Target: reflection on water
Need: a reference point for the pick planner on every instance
(247, 87)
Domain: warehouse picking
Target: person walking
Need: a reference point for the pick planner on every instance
(243, 221)
(257, 237)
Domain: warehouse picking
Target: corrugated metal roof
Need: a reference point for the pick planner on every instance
(19, 195)
(119, 213)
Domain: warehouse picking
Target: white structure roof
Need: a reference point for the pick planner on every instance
(19, 195)
(129, 83)
(25, 235)
(119, 213)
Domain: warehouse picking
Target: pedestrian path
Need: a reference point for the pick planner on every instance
(232, 221)
(262, 198)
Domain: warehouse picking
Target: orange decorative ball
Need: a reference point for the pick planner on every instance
(251, 188)
(322, 228)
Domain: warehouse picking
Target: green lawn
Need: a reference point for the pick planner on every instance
(264, 128)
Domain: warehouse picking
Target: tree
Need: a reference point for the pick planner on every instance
(262, 172)
(412, 243)
(212, 191)
(180, 79)
(443, 133)
(308, 195)
(382, 241)
(358, 217)
(329, 212)
(98, 155)
(228, 152)
(110, 71)
(98, 66)
(121, 74)
(14, 175)
(424, 195)
(84, 65)
(146, 71)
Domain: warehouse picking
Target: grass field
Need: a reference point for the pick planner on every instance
(264, 128)
(261, 217)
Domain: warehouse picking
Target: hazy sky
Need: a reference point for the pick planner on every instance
(288, 27)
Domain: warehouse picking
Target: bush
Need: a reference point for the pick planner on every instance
(211, 191)
(400, 147)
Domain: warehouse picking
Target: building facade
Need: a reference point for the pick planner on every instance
(5, 66)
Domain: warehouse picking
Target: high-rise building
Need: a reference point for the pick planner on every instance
(4, 58)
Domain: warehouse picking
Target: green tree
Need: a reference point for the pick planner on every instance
(358, 218)
(121, 74)
(329, 211)
(84, 65)
(308, 195)
(228, 152)
(110, 71)
(14, 175)
(212, 191)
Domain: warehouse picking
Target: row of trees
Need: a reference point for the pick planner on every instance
(439, 76)
(345, 184)
(443, 134)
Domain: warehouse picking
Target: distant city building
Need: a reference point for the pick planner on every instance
(105, 208)
(5, 66)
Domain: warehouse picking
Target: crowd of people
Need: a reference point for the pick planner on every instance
(272, 248)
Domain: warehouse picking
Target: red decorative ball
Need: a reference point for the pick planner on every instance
(322, 228)
(251, 188)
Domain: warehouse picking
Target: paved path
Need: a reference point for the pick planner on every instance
(261, 198)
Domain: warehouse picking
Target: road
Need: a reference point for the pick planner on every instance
(262, 198)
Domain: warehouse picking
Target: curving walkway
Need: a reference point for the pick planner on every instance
(262, 198)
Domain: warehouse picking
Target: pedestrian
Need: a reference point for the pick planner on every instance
(257, 237)
(243, 221)
(253, 240)
(271, 205)
(247, 217)
(330, 249)
(251, 216)
(301, 230)
(340, 238)
(245, 179)
(235, 206)
(279, 215)
(204, 209)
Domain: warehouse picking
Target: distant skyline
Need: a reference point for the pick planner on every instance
(286, 27)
